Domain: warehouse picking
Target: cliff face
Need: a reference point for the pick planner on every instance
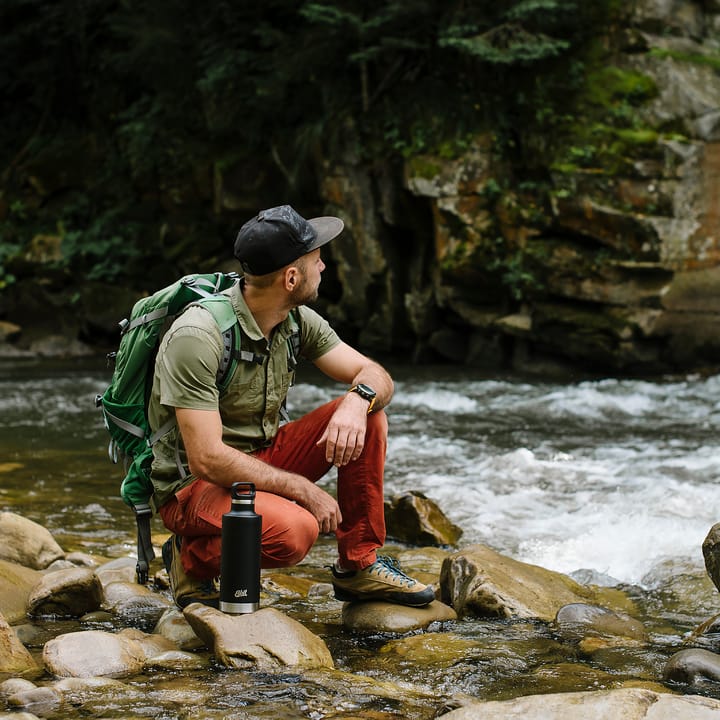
(611, 263)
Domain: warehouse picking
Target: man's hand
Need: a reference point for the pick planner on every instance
(322, 505)
(344, 436)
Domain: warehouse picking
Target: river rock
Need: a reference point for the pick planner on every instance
(91, 653)
(414, 518)
(378, 616)
(173, 626)
(16, 582)
(14, 657)
(266, 639)
(711, 554)
(626, 703)
(480, 581)
(692, 666)
(27, 543)
(135, 604)
(43, 701)
(118, 570)
(66, 593)
(579, 621)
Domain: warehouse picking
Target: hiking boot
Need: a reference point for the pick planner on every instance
(383, 580)
(185, 589)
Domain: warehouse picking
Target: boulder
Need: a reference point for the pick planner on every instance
(66, 593)
(578, 621)
(416, 519)
(692, 666)
(628, 703)
(16, 582)
(265, 640)
(14, 657)
(378, 616)
(479, 581)
(711, 554)
(27, 543)
(93, 653)
(135, 604)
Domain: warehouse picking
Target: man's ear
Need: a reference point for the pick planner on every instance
(291, 278)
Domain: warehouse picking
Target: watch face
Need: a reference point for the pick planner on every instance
(365, 391)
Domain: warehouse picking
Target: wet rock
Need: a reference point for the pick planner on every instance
(18, 716)
(711, 554)
(16, 582)
(173, 626)
(286, 585)
(93, 653)
(43, 701)
(416, 519)
(635, 703)
(176, 660)
(118, 570)
(135, 604)
(66, 593)
(13, 685)
(480, 581)
(578, 621)
(266, 639)
(438, 650)
(692, 666)
(27, 543)
(389, 617)
(14, 657)
(81, 559)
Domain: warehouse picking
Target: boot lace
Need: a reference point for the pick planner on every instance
(389, 568)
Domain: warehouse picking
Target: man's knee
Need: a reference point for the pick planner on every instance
(293, 544)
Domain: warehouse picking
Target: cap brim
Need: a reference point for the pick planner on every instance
(326, 228)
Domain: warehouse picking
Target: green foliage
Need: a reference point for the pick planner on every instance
(167, 90)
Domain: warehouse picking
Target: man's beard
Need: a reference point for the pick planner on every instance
(303, 294)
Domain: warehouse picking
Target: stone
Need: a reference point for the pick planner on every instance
(377, 616)
(66, 593)
(93, 653)
(580, 620)
(414, 518)
(480, 581)
(135, 604)
(711, 554)
(692, 666)
(27, 543)
(14, 657)
(118, 570)
(626, 703)
(264, 640)
(16, 582)
(42, 701)
(173, 626)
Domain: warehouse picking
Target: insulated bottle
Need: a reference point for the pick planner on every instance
(240, 558)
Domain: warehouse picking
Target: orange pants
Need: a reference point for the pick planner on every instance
(288, 530)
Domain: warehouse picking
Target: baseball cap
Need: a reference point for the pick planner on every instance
(279, 235)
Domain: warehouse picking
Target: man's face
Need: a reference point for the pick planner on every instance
(311, 268)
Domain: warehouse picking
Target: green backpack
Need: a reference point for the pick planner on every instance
(124, 403)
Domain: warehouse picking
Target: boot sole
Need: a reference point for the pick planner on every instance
(420, 600)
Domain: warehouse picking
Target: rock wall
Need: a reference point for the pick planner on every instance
(612, 265)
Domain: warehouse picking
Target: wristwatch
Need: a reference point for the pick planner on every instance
(366, 393)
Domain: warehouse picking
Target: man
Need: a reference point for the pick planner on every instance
(236, 436)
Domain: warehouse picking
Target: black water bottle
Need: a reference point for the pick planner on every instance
(240, 561)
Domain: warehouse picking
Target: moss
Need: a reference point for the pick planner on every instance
(424, 167)
(695, 58)
(610, 85)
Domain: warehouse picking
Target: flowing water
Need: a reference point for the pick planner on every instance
(612, 481)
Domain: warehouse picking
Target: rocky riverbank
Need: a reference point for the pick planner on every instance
(80, 638)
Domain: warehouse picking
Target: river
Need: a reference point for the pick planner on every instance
(613, 481)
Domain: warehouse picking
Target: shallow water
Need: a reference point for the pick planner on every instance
(612, 481)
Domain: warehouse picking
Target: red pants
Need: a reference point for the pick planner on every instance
(288, 530)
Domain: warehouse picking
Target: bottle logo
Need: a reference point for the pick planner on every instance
(241, 593)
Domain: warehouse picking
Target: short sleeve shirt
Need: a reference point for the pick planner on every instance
(186, 369)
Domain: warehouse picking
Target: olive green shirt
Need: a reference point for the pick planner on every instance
(185, 376)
